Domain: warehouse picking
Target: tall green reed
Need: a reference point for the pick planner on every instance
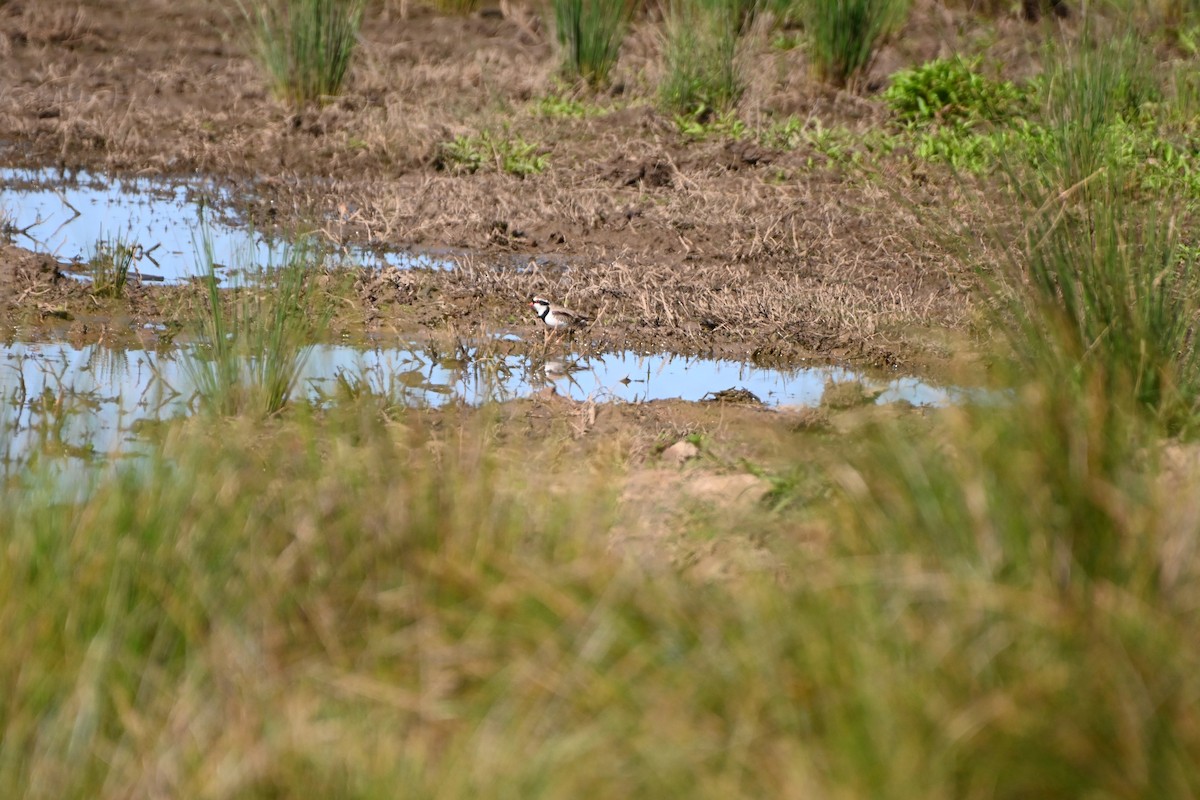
(254, 337)
(304, 45)
(590, 33)
(843, 35)
(1100, 282)
(702, 75)
(1090, 87)
(1104, 286)
(110, 264)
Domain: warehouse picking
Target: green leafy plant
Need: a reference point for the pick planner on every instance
(565, 106)
(702, 122)
(843, 35)
(702, 76)
(590, 33)
(512, 155)
(837, 145)
(304, 45)
(952, 91)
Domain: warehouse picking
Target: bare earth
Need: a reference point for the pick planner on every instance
(692, 246)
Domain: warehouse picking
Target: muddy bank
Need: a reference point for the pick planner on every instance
(677, 242)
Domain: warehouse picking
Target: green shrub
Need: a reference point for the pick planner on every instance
(844, 34)
(590, 33)
(702, 75)
(304, 45)
(952, 91)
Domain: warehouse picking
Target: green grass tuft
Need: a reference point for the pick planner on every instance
(304, 45)
(590, 33)
(1089, 92)
(702, 75)
(109, 266)
(1101, 284)
(252, 339)
(843, 35)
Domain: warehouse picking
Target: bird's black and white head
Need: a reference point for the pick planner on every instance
(540, 306)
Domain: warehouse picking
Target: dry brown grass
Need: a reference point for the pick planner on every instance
(673, 243)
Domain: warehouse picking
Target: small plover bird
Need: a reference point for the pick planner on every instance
(557, 318)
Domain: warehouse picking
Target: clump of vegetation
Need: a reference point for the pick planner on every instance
(952, 91)
(1091, 106)
(702, 76)
(836, 145)
(1102, 285)
(1106, 273)
(1039, 488)
(1024, 537)
(1105, 119)
(304, 45)
(590, 33)
(1089, 92)
(566, 106)
(702, 123)
(954, 114)
(843, 35)
(109, 266)
(513, 155)
(253, 339)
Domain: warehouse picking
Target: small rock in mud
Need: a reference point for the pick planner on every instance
(651, 172)
(680, 453)
(744, 152)
(742, 491)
